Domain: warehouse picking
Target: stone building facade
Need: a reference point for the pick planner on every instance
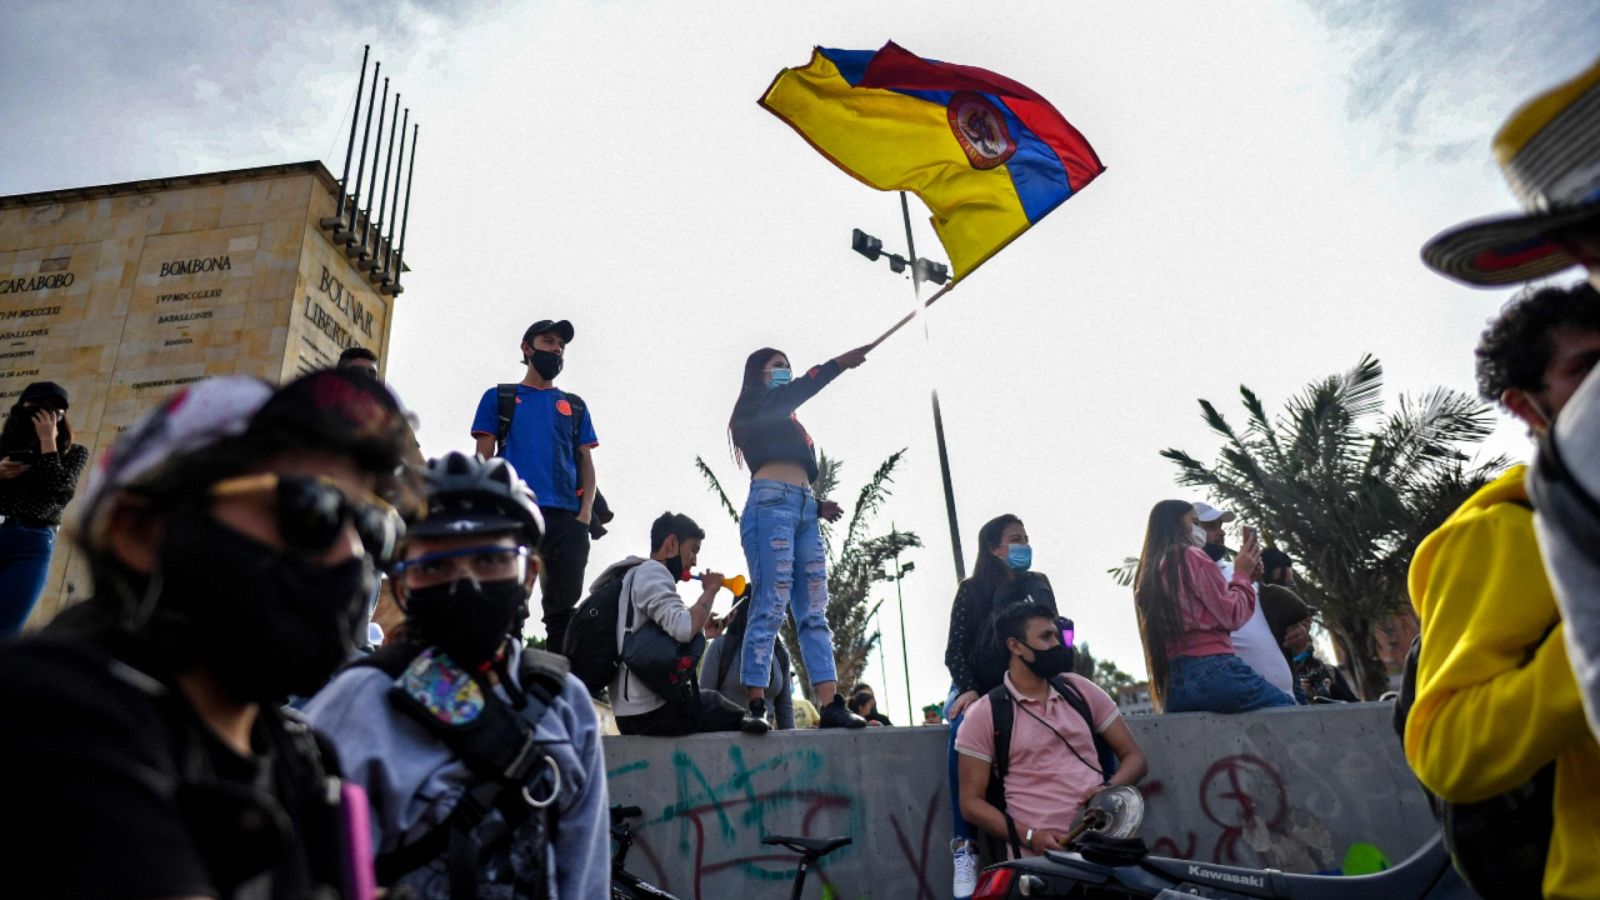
(123, 293)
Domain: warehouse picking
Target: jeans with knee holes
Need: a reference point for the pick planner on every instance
(782, 540)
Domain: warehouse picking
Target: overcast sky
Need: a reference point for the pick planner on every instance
(1272, 171)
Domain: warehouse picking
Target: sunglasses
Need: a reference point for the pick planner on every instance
(312, 513)
(481, 564)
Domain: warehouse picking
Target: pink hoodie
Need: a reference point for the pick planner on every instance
(1211, 606)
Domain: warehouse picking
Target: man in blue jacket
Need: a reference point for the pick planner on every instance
(549, 439)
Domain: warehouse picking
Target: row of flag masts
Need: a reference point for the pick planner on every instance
(361, 231)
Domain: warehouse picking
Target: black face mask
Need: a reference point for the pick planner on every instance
(467, 621)
(547, 364)
(265, 623)
(1050, 663)
(675, 567)
(1215, 551)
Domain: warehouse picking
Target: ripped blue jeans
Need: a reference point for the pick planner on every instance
(781, 538)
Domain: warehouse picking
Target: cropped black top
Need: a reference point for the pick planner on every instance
(765, 427)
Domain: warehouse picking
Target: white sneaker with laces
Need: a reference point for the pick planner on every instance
(965, 856)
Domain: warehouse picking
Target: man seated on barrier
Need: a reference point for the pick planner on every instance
(1034, 749)
(482, 758)
(650, 693)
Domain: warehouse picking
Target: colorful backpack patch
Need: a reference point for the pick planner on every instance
(445, 690)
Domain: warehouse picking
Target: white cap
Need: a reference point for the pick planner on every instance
(1208, 514)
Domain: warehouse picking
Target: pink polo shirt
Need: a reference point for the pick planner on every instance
(1046, 783)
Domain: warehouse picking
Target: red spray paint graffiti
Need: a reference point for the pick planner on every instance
(1237, 794)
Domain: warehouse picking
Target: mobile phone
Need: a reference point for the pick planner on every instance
(1068, 631)
(1249, 534)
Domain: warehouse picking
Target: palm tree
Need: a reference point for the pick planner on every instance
(856, 564)
(1349, 504)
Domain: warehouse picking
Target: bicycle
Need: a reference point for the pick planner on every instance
(627, 886)
(811, 851)
(624, 884)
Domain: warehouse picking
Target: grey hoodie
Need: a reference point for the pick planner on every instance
(649, 587)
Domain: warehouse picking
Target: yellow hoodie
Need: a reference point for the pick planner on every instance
(1487, 716)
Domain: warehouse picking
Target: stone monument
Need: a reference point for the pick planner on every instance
(123, 293)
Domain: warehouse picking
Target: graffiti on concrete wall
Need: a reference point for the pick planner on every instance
(1296, 793)
(1245, 798)
(711, 831)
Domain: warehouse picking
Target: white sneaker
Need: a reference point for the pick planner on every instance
(965, 856)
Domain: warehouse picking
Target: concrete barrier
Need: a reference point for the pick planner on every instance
(1300, 789)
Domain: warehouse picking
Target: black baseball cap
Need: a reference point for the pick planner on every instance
(45, 393)
(561, 327)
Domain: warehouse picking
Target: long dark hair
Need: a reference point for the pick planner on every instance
(19, 434)
(1156, 587)
(988, 572)
(754, 366)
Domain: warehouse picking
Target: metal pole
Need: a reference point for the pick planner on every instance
(883, 665)
(405, 217)
(361, 161)
(900, 598)
(394, 209)
(350, 148)
(372, 189)
(383, 196)
(938, 420)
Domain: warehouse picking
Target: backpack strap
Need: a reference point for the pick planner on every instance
(579, 410)
(1107, 756)
(498, 745)
(506, 409)
(1004, 714)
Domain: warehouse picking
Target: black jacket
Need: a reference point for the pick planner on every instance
(764, 426)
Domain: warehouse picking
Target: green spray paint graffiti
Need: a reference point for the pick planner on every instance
(719, 815)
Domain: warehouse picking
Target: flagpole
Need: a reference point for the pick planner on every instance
(938, 419)
(909, 316)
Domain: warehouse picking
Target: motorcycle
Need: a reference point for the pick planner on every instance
(1105, 862)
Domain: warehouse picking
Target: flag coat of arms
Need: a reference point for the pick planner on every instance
(987, 155)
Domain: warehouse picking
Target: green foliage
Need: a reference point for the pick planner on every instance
(857, 563)
(1347, 491)
(1103, 672)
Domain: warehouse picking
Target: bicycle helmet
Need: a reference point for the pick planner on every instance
(467, 495)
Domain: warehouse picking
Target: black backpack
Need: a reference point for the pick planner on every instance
(591, 642)
(989, 654)
(1500, 845)
(1004, 712)
(506, 409)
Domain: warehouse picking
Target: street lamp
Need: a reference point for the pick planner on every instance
(872, 248)
(921, 270)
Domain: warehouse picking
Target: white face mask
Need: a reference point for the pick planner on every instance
(1197, 536)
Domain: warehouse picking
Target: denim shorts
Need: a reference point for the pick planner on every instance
(1222, 684)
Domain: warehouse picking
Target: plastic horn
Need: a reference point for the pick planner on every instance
(736, 584)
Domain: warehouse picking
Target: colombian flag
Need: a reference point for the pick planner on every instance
(989, 156)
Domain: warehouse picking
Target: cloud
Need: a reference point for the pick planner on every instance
(1429, 71)
(135, 90)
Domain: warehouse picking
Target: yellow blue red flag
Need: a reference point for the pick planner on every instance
(987, 155)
